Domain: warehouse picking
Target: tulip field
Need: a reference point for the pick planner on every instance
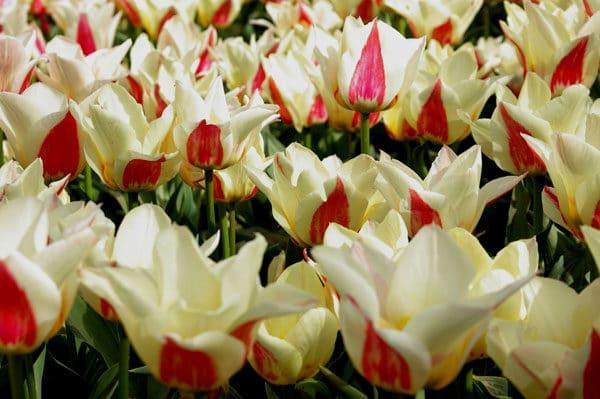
(312, 199)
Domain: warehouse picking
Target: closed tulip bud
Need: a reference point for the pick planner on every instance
(16, 64)
(437, 97)
(173, 312)
(533, 113)
(68, 70)
(555, 351)
(374, 65)
(443, 21)
(291, 348)
(448, 197)
(91, 24)
(308, 194)
(405, 324)
(559, 45)
(219, 13)
(36, 274)
(210, 134)
(122, 147)
(39, 124)
(290, 87)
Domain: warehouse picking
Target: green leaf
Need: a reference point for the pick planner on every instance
(91, 328)
(269, 392)
(313, 388)
(272, 144)
(490, 386)
(106, 384)
(342, 386)
(38, 372)
(140, 370)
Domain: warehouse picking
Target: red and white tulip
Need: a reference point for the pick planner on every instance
(16, 62)
(219, 13)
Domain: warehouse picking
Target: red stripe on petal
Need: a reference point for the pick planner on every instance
(421, 214)
(318, 112)
(184, 367)
(107, 310)
(443, 33)
(130, 11)
(204, 148)
(160, 103)
(335, 209)
(60, 150)
(142, 174)
(304, 17)
(591, 374)
(432, 119)
(17, 320)
(368, 81)
(205, 63)
(588, 8)
(554, 392)
(221, 17)
(168, 15)
(259, 79)
(265, 362)
(596, 219)
(135, 89)
(85, 36)
(382, 365)
(366, 10)
(277, 99)
(523, 156)
(218, 189)
(26, 81)
(569, 70)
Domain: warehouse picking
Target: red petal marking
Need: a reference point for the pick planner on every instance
(554, 392)
(85, 36)
(221, 17)
(277, 99)
(218, 189)
(523, 156)
(382, 365)
(131, 12)
(212, 37)
(142, 174)
(596, 218)
(421, 214)
(60, 150)
(17, 321)
(264, 362)
(184, 367)
(368, 81)
(588, 8)
(37, 7)
(318, 112)
(432, 120)
(335, 209)
(367, 10)
(373, 119)
(26, 81)
(245, 333)
(569, 70)
(591, 374)
(520, 52)
(251, 195)
(107, 310)
(39, 43)
(259, 79)
(204, 149)
(304, 18)
(205, 63)
(168, 15)
(443, 33)
(549, 192)
(160, 103)
(135, 89)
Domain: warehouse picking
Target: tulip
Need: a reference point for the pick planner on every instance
(90, 23)
(191, 320)
(288, 16)
(443, 21)
(33, 271)
(122, 147)
(76, 75)
(291, 89)
(554, 352)
(153, 14)
(399, 335)
(533, 113)
(554, 43)
(291, 348)
(363, 9)
(435, 99)
(16, 182)
(308, 194)
(16, 64)
(448, 197)
(39, 124)
(219, 13)
(573, 200)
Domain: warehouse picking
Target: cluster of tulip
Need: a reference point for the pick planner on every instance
(390, 256)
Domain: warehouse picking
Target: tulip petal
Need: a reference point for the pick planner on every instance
(85, 35)
(334, 210)
(569, 70)
(432, 121)
(204, 148)
(60, 151)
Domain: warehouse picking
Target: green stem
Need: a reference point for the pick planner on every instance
(365, 134)
(402, 26)
(1, 147)
(88, 182)
(30, 377)
(15, 373)
(224, 230)
(123, 387)
(536, 188)
(210, 201)
(308, 139)
(232, 228)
